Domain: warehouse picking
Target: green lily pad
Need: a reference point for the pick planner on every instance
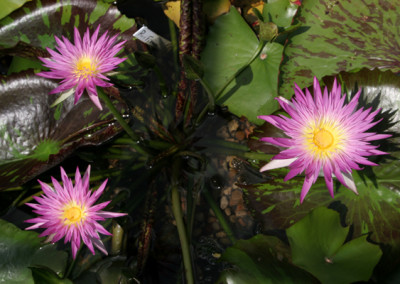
(45, 275)
(341, 36)
(261, 259)
(280, 12)
(231, 46)
(317, 246)
(20, 249)
(34, 136)
(7, 6)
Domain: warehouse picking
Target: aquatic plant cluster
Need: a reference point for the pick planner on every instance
(186, 125)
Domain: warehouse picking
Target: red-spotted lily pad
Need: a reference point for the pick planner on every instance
(376, 209)
(34, 136)
(340, 36)
(317, 244)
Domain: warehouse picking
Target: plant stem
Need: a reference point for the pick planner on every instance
(72, 264)
(121, 121)
(219, 215)
(174, 42)
(177, 211)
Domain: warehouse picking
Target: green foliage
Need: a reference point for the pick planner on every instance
(261, 260)
(280, 12)
(45, 275)
(46, 148)
(340, 36)
(374, 210)
(19, 64)
(317, 246)
(8, 6)
(242, 72)
(21, 249)
(33, 134)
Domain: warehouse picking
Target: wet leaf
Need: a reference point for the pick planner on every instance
(231, 45)
(376, 209)
(280, 12)
(16, 250)
(34, 136)
(48, 256)
(341, 36)
(19, 249)
(380, 89)
(261, 259)
(7, 6)
(317, 246)
(45, 275)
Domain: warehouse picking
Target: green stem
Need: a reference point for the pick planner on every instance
(174, 42)
(162, 82)
(177, 211)
(211, 101)
(72, 264)
(16, 200)
(121, 121)
(220, 216)
(257, 156)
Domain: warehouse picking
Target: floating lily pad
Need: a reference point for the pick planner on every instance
(280, 12)
(7, 6)
(231, 45)
(376, 209)
(20, 249)
(317, 243)
(341, 36)
(35, 137)
(380, 89)
(261, 260)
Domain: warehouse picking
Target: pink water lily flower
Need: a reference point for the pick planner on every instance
(323, 135)
(68, 211)
(82, 65)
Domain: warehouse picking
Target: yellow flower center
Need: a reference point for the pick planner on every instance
(85, 67)
(323, 139)
(73, 214)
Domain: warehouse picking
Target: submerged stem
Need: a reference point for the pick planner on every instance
(218, 213)
(121, 121)
(72, 264)
(177, 211)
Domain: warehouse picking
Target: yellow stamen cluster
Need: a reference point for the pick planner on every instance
(323, 139)
(85, 67)
(73, 214)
